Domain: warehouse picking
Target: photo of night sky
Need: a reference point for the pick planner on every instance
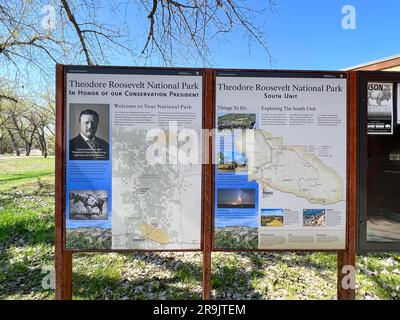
(236, 198)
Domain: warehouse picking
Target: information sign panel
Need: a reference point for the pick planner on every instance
(280, 154)
(133, 159)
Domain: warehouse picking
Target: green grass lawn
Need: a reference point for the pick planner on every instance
(27, 254)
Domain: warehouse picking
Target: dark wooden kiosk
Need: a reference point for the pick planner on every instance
(378, 163)
(345, 257)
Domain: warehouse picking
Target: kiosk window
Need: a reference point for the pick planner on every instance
(383, 176)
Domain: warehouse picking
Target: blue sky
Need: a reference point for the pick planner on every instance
(272, 212)
(302, 34)
(308, 34)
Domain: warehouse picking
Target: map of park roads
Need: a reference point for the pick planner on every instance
(149, 206)
(291, 169)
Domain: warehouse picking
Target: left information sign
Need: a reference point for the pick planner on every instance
(133, 159)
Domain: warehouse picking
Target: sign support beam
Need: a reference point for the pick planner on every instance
(63, 258)
(208, 183)
(348, 257)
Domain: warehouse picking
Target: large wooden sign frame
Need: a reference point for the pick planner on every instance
(266, 75)
(134, 71)
(63, 257)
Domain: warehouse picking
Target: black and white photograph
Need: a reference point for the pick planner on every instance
(88, 205)
(380, 108)
(89, 131)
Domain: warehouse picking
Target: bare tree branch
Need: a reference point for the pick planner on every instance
(13, 99)
(188, 27)
(78, 30)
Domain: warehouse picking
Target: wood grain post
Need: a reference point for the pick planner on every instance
(208, 183)
(63, 259)
(348, 257)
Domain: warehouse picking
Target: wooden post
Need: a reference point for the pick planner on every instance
(63, 259)
(348, 257)
(208, 184)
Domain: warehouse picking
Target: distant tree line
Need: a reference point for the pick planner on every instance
(26, 125)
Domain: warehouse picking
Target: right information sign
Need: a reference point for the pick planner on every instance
(280, 155)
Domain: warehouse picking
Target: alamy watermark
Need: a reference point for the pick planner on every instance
(48, 22)
(349, 21)
(49, 279)
(189, 146)
(349, 277)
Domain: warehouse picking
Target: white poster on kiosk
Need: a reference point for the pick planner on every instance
(129, 183)
(280, 174)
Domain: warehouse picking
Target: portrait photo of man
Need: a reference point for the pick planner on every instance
(87, 143)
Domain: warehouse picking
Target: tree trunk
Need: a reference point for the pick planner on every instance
(28, 150)
(44, 142)
(41, 140)
(2, 146)
(14, 142)
(29, 143)
(43, 147)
